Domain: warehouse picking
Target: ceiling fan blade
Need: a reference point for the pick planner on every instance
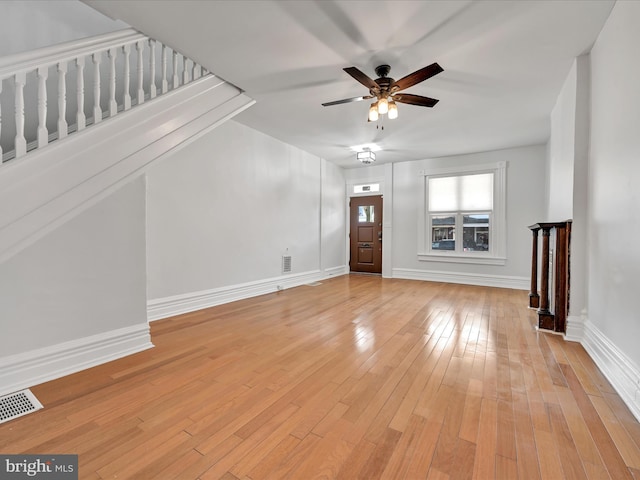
(415, 100)
(362, 78)
(417, 77)
(346, 100)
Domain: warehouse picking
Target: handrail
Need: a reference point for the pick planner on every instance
(64, 52)
(109, 68)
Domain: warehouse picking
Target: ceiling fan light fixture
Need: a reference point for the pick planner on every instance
(383, 105)
(366, 157)
(385, 90)
(393, 110)
(373, 112)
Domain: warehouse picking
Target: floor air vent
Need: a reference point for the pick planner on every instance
(286, 264)
(18, 404)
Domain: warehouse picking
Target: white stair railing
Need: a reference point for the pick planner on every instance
(48, 93)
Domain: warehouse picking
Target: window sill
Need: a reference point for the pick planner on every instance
(456, 258)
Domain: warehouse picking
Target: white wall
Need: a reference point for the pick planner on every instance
(223, 212)
(567, 179)
(84, 279)
(364, 174)
(27, 25)
(333, 224)
(561, 152)
(614, 193)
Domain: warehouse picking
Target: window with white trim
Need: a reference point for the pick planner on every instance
(463, 216)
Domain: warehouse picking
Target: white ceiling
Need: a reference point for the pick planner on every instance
(504, 64)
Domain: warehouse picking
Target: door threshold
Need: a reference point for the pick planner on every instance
(366, 273)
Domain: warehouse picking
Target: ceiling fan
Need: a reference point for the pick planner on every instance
(387, 91)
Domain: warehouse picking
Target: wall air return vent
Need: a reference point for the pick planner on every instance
(18, 404)
(286, 264)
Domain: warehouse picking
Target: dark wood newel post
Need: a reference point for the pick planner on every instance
(544, 278)
(547, 319)
(534, 298)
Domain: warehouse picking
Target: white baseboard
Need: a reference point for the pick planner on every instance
(575, 328)
(620, 370)
(189, 302)
(27, 369)
(501, 281)
(336, 271)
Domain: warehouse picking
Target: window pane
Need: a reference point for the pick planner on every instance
(442, 194)
(365, 214)
(475, 233)
(443, 232)
(464, 192)
(477, 192)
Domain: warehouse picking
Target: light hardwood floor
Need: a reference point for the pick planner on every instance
(359, 377)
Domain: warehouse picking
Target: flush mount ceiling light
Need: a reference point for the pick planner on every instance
(366, 157)
(365, 152)
(386, 90)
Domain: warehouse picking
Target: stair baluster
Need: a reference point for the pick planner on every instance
(185, 70)
(152, 68)
(176, 79)
(165, 83)
(62, 100)
(20, 142)
(195, 71)
(43, 134)
(97, 111)
(140, 91)
(127, 77)
(113, 104)
(28, 75)
(81, 119)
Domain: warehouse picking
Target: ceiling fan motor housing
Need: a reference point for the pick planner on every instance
(383, 81)
(383, 70)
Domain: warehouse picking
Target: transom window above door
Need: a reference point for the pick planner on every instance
(366, 188)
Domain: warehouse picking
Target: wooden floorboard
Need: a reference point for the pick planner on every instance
(357, 378)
